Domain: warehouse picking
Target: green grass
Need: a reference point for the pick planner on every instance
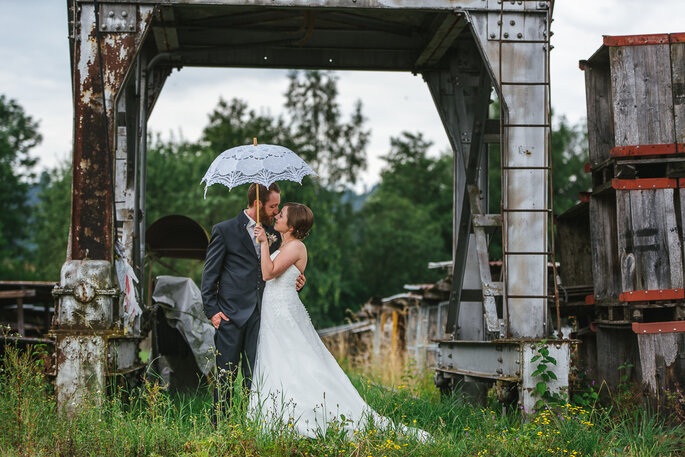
(152, 422)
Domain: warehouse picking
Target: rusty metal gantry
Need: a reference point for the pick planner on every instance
(123, 50)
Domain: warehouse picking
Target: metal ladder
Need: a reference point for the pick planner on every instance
(505, 128)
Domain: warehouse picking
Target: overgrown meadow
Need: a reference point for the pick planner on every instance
(148, 421)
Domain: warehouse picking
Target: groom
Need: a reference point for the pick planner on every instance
(232, 287)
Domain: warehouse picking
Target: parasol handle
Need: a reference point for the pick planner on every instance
(254, 140)
(257, 188)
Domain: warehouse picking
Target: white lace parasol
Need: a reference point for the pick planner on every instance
(263, 164)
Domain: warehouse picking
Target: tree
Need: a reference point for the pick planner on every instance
(425, 181)
(51, 222)
(337, 150)
(570, 149)
(398, 239)
(232, 124)
(407, 222)
(175, 168)
(18, 135)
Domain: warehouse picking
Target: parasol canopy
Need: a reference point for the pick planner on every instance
(256, 163)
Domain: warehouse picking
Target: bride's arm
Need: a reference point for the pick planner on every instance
(287, 256)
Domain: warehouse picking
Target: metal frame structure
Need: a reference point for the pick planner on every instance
(123, 50)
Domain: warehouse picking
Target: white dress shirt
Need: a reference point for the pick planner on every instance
(251, 224)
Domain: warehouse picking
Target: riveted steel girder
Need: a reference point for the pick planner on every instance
(101, 62)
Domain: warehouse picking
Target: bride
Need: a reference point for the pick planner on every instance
(296, 380)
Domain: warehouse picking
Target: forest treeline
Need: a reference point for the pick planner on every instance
(362, 245)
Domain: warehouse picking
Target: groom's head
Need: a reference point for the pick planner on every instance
(270, 199)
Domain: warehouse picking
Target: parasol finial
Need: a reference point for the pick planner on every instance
(254, 140)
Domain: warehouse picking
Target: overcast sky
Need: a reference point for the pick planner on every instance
(34, 70)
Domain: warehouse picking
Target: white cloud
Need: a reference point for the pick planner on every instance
(35, 71)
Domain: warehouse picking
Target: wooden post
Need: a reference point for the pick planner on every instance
(20, 316)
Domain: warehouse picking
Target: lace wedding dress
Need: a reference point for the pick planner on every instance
(296, 380)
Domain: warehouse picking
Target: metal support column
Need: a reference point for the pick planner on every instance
(462, 96)
(104, 39)
(513, 39)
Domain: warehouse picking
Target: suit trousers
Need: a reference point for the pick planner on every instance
(236, 349)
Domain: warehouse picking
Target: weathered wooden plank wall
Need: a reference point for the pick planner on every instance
(617, 347)
(641, 91)
(678, 74)
(649, 246)
(661, 360)
(606, 269)
(600, 120)
(574, 247)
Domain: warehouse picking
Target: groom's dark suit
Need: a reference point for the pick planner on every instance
(232, 283)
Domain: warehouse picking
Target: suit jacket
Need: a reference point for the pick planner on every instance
(232, 279)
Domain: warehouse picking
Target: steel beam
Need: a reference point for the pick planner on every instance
(101, 62)
(447, 32)
(525, 190)
(490, 288)
(286, 55)
(346, 4)
(462, 98)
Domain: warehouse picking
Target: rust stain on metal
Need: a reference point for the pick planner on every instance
(60, 357)
(92, 199)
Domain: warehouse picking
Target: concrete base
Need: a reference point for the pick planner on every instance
(81, 365)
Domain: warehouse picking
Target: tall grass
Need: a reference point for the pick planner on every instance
(148, 421)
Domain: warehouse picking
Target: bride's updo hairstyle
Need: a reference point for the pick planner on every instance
(300, 218)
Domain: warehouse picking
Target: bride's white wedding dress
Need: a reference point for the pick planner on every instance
(296, 380)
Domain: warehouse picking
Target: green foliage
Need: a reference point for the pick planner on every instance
(51, 222)
(585, 394)
(546, 374)
(425, 181)
(174, 171)
(232, 124)
(570, 149)
(397, 240)
(625, 390)
(336, 149)
(624, 370)
(407, 220)
(18, 135)
(24, 411)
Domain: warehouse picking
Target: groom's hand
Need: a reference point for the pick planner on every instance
(299, 282)
(216, 319)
